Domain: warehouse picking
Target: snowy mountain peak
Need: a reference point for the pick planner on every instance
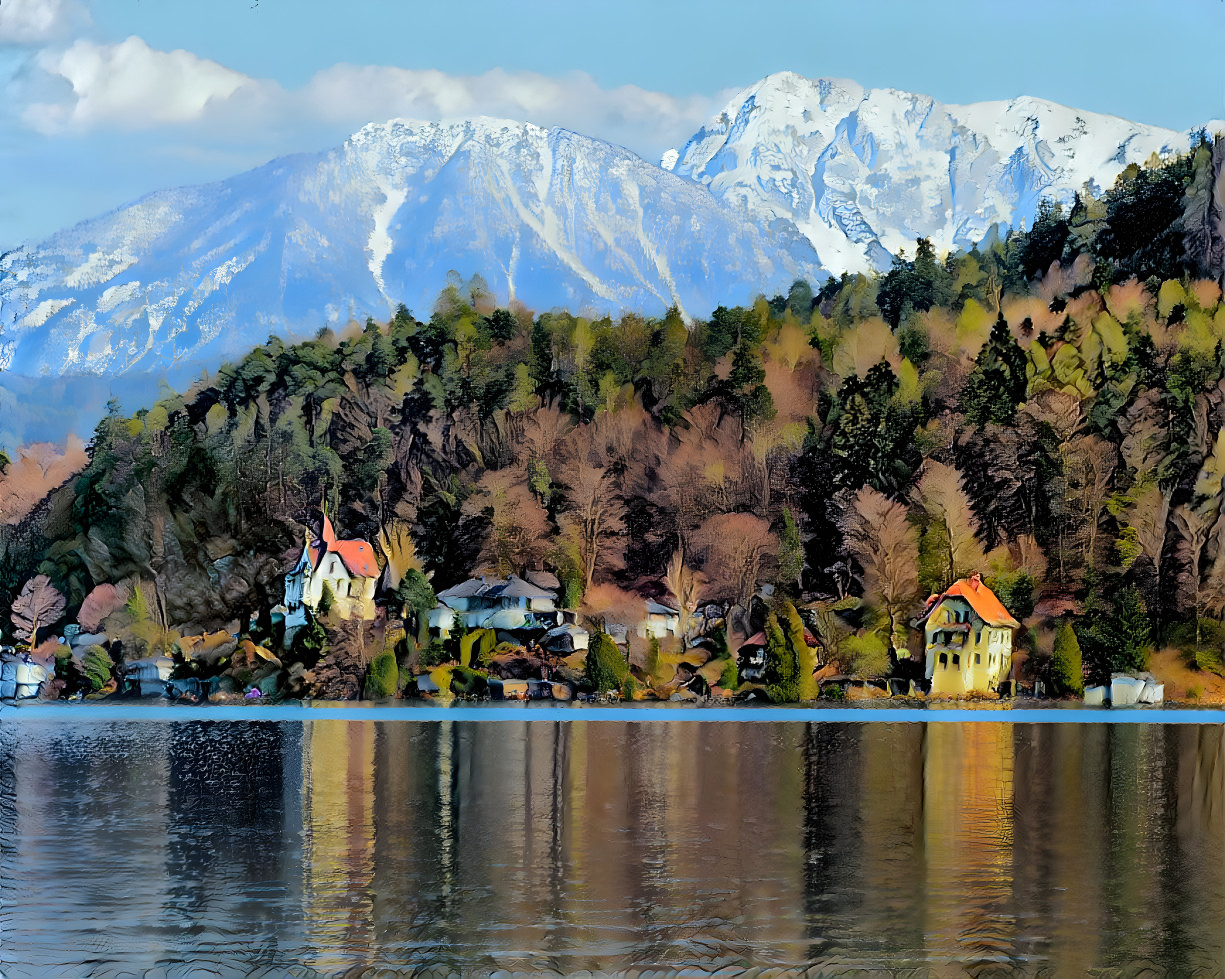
(185, 278)
(863, 172)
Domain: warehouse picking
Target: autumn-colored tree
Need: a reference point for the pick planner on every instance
(736, 546)
(686, 587)
(100, 603)
(38, 469)
(395, 540)
(885, 544)
(39, 604)
(594, 518)
(951, 526)
(518, 534)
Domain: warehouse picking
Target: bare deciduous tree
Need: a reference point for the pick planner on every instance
(39, 603)
(686, 586)
(943, 498)
(594, 518)
(736, 545)
(518, 535)
(879, 535)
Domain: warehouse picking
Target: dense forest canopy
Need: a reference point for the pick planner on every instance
(1047, 408)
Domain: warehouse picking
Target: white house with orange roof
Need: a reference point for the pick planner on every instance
(968, 635)
(348, 569)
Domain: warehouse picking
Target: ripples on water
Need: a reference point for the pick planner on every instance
(331, 846)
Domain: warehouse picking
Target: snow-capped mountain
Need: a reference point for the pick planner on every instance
(864, 172)
(185, 278)
(794, 177)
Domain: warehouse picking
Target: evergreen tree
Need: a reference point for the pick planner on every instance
(871, 438)
(801, 653)
(1129, 633)
(997, 384)
(652, 664)
(1066, 661)
(744, 393)
(782, 669)
(605, 668)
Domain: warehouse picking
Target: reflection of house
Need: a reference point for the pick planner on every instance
(346, 567)
(494, 603)
(968, 637)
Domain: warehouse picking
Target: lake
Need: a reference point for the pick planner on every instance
(173, 845)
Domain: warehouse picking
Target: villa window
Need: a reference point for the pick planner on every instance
(956, 662)
(944, 660)
(978, 659)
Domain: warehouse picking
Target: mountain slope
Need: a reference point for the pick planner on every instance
(186, 277)
(863, 172)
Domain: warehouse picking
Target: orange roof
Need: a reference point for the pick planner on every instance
(357, 555)
(981, 598)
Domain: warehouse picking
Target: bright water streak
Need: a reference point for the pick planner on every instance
(328, 845)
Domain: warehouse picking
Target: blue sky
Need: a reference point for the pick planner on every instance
(107, 100)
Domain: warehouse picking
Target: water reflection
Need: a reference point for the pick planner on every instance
(333, 845)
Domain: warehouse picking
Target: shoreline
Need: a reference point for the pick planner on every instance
(950, 712)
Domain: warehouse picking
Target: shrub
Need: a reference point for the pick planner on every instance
(605, 667)
(629, 688)
(1209, 660)
(309, 643)
(382, 676)
(434, 653)
(729, 679)
(866, 655)
(467, 682)
(98, 666)
(1066, 661)
(326, 601)
(653, 657)
(477, 646)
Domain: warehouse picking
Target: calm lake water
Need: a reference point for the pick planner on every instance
(329, 846)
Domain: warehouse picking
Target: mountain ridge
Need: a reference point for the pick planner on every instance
(794, 178)
(863, 172)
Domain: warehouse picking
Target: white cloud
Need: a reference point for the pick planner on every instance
(38, 21)
(627, 114)
(131, 86)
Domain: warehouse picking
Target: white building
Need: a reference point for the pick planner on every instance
(493, 603)
(348, 569)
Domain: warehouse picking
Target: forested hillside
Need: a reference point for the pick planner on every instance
(1048, 409)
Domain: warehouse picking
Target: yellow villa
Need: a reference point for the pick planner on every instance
(968, 638)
